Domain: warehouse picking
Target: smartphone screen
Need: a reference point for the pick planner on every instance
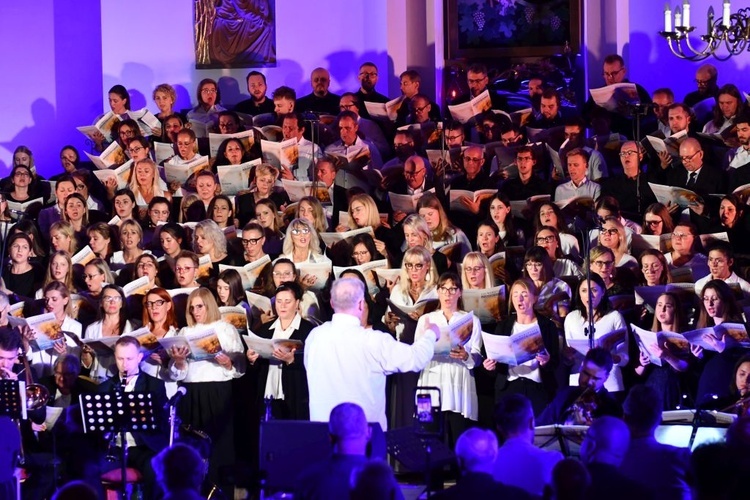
(424, 408)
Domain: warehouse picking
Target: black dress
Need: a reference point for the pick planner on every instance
(24, 284)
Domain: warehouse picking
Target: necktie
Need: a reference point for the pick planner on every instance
(691, 180)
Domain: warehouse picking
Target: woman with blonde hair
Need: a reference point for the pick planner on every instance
(476, 272)
(208, 403)
(266, 213)
(613, 236)
(131, 236)
(263, 183)
(59, 268)
(302, 243)
(415, 283)
(209, 239)
(363, 212)
(418, 234)
(601, 261)
(443, 232)
(164, 97)
(62, 237)
(310, 208)
(144, 182)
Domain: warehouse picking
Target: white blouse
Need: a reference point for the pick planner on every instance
(401, 298)
(42, 362)
(454, 377)
(274, 387)
(209, 370)
(529, 369)
(575, 324)
(151, 367)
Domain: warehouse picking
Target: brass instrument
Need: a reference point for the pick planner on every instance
(36, 394)
(581, 412)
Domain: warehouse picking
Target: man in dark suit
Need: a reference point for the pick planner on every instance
(660, 467)
(142, 445)
(476, 450)
(695, 174)
(527, 184)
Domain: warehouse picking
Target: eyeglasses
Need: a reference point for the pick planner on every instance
(302, 230)
(419, 110)
(183, 269)
(689, 157)
(471, 270)
(155, 303)
(653, 222)
(535, 265)
(135, 150)
(629, 152)
(111, 299)
(610, 231)
(409, 266)
(80, 187)
(368, 74)
(413, 173)
(545, 239)
(603, 263)
(91, 276)
(681, 236)
(284, 274)
(251, 241)
(208, 91)
(450, 291)
(347, 106)
(361, 253)
(473, 160)
(611, 74)
(476, 81)
(144, 265)
(454, 137)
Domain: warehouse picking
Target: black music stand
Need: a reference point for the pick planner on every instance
(13, 399)
(120, 412)
(560, 437)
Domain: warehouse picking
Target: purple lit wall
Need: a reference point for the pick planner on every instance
(61, 56)
(650, 61)
(51, 67)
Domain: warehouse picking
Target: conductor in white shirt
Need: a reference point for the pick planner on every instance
(347, 362)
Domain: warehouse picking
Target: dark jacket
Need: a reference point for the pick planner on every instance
(293, 376)
(154, 440)
(481, 485)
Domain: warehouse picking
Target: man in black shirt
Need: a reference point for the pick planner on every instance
(320, 100)
(368, 78)
(631, 187)
(706, 78)
(258, 103)
(526, 184)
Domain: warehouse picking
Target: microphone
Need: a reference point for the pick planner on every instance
(181, 391)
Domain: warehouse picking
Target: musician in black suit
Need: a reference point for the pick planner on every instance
(283, 378)
(695, 174)
(325, 174)
(142, 445)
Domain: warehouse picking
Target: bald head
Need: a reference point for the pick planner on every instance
(476, 450)
(606, 441)
(691, 154)
(415, 171)
(320, 80)
(705, 77)
(348, 296)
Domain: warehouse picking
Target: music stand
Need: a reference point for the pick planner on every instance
(119, 412)
(13, 399)
(560, 438)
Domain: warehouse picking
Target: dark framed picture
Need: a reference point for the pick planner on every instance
(234, 33)
(511, 28)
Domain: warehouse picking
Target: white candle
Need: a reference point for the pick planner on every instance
(667, 18)
(726, 14)
(677, 18)
(686, 14)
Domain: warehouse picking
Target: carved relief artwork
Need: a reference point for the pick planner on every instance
(234, 33)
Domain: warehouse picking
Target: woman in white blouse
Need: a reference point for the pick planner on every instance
(416, 283)
(112, 321)
(131, 236)
(606, 320)
(553, 297)
(56, 301)
(549, 238)
(283, 377)
(302, 244)
(208, 405)
(451, 371)
(614, 237)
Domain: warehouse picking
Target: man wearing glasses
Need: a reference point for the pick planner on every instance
(706, 77)
(320, 100)
(368, 78)
(527, 184)
(695, 174)
(479, 81)
(631, 187)
(614, 72)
